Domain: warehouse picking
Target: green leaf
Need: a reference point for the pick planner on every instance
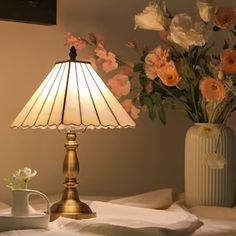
(215, 28)
(162, 115)
(233, 32)
(150, 106)
(226, 45)
(182, 84)
(143, 57)
(216, 57)
(152, 113)
(148, 102)
(205, 50)
(138, 67)
(157, 100)
(142, 80)
(141, 98)
(187, 72)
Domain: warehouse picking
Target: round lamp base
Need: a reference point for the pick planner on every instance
(70, 208)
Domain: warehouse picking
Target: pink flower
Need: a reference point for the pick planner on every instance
(225, 17)
(164, 35)
(109, 58)
(100, 51)
(130, 44)
(119, 85)
(127, 69)
(92, 60)
(95, 39)
(130, 108)
(78, 42)
(212, 89)
(110, 65)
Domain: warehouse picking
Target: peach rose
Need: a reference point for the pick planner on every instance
(154, 61)
(228, 60)
(225, 17)
(130, 108)
(119, 85)
(212, 89)
(169, 75)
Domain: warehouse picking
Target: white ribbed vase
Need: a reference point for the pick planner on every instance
(210, 165)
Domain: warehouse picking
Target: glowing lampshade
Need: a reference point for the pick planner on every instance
(72, 98)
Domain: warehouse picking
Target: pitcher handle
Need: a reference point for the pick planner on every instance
(35, 192)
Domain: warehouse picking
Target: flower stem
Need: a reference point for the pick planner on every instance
(194, 103)
(172, 95)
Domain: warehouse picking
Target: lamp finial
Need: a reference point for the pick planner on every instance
(73, 53)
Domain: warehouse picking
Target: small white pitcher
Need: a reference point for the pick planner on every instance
(20, 202)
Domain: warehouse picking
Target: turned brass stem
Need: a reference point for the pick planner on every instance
(70, 205)
(71, 163)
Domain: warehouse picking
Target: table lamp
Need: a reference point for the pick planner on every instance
(72, 99)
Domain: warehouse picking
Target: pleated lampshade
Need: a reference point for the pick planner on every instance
(73, 96)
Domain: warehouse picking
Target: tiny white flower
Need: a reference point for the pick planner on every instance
(20, 178)
(153, 17)
(215, 161)
(186, 32)
(221, 75)
(24, 174)
(206, 9)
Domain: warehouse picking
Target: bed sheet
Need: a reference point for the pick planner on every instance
(132, 216)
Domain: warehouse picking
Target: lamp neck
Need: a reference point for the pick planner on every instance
(71, 140)
(71, 166)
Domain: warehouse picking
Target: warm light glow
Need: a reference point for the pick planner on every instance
(73, 96)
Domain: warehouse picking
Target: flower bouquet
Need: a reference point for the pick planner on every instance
(185, 72)
(192, 70)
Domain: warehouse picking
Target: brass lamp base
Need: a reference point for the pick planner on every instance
(70, 205)
(71, 208)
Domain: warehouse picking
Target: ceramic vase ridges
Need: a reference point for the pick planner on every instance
(204, 184)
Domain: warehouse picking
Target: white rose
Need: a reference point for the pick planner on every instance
(215, 161)
(153, 17)
(206, 9)
(186, 33)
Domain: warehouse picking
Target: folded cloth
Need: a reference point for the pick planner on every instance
(3, 206)
(105, 227)
(159, 199)
(224, 213)
(174, 221)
